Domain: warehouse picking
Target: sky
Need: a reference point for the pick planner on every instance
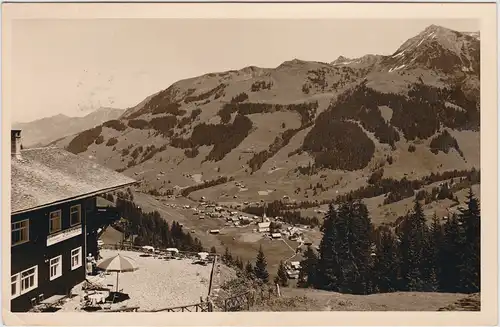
(73, 66)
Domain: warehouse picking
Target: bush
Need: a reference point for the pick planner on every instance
(444, 142)
(82, 141)
(169, 108)
(112, 141)
(183, 122)
(191, 153)
(411, 148)
(261, 85)
(205, 95)
(151, 151)
(195, 113)
(376, 176)
(163, 125)
(138, 124)
(331, 143)
(99, 139)
(224, 138)
(239, 98)
(221, 180)
(136, 152)
(306, 110)
(115, 124)
(125, 152)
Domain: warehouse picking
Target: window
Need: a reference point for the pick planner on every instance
(55, 221)
(76, 258)
(15, 289)
(29, 279)
(20, 232)
(75, 215)
(55, 267)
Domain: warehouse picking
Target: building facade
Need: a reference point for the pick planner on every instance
(54, 220)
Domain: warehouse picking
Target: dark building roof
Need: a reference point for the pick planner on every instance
(46, 176)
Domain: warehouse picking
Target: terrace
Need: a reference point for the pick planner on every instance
(156, 285)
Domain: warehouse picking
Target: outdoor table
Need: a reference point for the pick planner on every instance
(53, 300)
(98, 298)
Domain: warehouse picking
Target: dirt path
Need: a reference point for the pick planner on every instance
(294, 252)
(235, 239)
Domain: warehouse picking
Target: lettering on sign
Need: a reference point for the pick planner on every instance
(64, 235)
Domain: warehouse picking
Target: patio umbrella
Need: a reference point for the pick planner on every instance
(118, 264)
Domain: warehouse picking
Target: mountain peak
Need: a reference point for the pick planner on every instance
(293, 62)
(437, 48)
(435, 28)
(341, 60)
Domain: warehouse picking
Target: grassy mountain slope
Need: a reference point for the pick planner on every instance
(47, 130)
(280, 130)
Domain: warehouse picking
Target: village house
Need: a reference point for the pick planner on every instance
(264, 227)
(276, 235)
(54, 219)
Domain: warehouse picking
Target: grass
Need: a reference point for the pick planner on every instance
(298, 299)
(241, 245)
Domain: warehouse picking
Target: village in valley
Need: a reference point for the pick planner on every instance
(350, 185)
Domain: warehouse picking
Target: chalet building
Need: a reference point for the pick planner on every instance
(264, 227)
(54, 219)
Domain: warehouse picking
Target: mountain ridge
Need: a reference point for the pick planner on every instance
(41, 132)
(296, 124)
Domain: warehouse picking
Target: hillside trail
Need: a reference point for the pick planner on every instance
(294, 252)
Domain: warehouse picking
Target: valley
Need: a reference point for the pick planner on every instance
(226, 154)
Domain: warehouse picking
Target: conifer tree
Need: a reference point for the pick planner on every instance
(359, 247)
(261, 267)
(281, 277)
(239, 263)
(413, 242)
(470, 267)
(450, 257)
(227, 257)
(433, 254)
(328, 262)
(249, 271)
(308, 268)
(385, 266)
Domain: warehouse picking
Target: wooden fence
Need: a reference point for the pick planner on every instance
(128, 309)
(212, 273)
(245, 300)
(203, 306)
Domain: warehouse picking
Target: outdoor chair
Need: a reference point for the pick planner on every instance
(33, 302)
(40, 298)
(107, 304)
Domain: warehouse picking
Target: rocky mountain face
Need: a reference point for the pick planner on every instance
(46, 130)
(304, 123)
(438, 48)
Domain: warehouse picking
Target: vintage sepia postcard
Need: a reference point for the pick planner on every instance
(249, 164)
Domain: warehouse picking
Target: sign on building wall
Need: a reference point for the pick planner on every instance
(64, 235)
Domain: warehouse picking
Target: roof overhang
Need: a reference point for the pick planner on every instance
(80, 197)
